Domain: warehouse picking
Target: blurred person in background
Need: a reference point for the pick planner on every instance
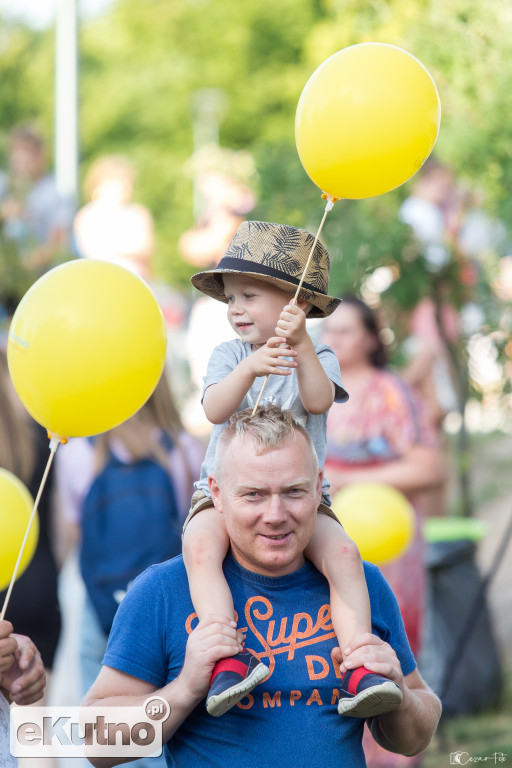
(430, 371)
(381, 435)
(34, 216)
(224, 179)
(110, 226)
(154, 433)
(33, 606)
(433, 211)
(429, 368)
(481, 236)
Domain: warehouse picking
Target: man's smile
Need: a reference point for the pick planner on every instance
(275, 536)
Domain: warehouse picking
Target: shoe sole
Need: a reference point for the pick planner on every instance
(220, 703)
(372, 702)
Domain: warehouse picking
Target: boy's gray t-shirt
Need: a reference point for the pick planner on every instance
(279, 390)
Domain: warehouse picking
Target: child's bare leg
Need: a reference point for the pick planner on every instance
(335, 555)
(366, 694)
(205, 544)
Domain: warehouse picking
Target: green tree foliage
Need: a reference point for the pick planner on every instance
(142, 63)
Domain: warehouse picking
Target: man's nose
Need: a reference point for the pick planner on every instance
(275, 511)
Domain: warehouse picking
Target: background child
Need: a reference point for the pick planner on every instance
(257, 277)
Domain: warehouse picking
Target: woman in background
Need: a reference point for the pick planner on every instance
(381, 435)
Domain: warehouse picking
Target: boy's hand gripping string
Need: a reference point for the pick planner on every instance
(329, 205)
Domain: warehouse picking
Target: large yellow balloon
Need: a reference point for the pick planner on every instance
(86, 347)
(15, 509)
(367, 120)
(378, 518)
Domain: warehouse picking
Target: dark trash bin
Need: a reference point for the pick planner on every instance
(460, 658)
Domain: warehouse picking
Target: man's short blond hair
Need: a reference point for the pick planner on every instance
(270, 427)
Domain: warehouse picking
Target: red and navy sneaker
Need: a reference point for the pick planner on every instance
(366, 694)
(232, 679)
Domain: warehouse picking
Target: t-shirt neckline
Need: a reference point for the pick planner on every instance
(305, 573)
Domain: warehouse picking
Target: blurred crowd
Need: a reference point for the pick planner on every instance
(390, 431)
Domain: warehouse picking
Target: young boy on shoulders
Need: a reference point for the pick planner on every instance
(257, 279)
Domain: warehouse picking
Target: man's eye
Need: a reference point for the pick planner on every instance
(253, 495)
(248, 295)
(296, 491)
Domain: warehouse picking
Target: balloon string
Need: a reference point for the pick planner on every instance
(328, 207)
(260, 394)
(53, 447)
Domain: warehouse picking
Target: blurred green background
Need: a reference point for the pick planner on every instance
(156, 75)
(142, 61)
(155, 72)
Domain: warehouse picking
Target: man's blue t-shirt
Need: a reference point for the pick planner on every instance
(291, 718)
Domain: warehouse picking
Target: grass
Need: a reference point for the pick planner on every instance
(490, 467)
(487, 734)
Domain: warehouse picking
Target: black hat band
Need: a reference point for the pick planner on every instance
(244, 265)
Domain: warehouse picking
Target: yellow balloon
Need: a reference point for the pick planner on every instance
(378, 518)
(16, 506)
(86, 347)
(367, 120)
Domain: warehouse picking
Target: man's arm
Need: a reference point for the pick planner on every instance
(118, 689)
(213, 638)
(410, 728)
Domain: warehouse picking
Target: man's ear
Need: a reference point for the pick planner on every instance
(215, 492)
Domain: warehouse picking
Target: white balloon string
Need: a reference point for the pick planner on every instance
(328, 207)
(53, 447)
(260, 394)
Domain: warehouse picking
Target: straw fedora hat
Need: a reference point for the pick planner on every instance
(276, 254)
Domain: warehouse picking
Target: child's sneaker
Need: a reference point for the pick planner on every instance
(366, 694)
(232, 679)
